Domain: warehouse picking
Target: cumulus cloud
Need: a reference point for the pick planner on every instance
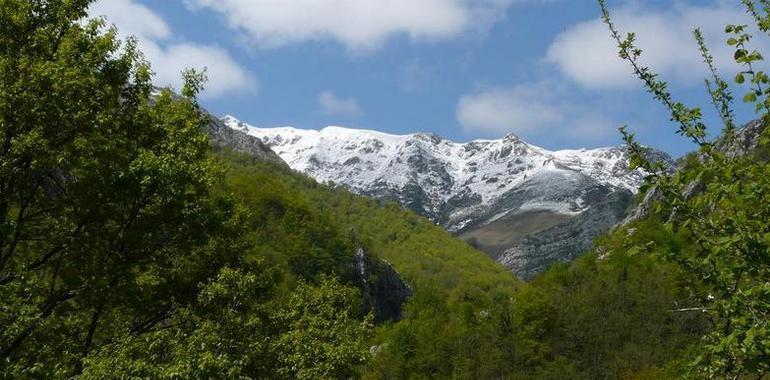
(132, 18)
(585, 52)
(518, 109)
(170, 56)
(531, 110)
(331, 104)
(358, 24)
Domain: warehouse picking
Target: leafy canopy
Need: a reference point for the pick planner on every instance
(721, 201)
(119, 256)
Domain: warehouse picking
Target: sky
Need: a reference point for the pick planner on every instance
(545, 70)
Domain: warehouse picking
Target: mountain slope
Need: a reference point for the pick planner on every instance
(493, 193)
(314, 227)
(221, 136)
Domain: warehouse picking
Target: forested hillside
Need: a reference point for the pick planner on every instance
(131, 248)
(468, 316)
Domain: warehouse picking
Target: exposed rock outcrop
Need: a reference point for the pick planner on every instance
(223, 136)
(383, 290)
(567, 240)
(745, 140)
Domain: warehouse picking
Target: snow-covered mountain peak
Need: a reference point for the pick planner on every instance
(234, 123)
(512, 137)
(447, 180)
(522, 204)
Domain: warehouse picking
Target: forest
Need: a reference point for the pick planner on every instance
(130, 248)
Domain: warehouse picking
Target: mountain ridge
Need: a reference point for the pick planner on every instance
(483, 191)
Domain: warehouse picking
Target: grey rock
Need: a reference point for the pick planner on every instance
(222, 136)
(383, 290)
(567, 240)
(745, 140)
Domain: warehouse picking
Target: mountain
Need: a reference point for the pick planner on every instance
(745, 140)
(222, 136)
(523, 205)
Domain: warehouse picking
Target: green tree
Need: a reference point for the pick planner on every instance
(106, 209)
(721, 202)
(225, 333)
(321, 337)
(122, 253)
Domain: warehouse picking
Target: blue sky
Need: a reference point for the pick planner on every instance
(545, 70)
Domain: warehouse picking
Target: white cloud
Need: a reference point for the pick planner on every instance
(333, 105)
(361, 25)
(225, 76)
(585, 52)
(535, 110)
(520, 109)
(168, 56)
(132, 18)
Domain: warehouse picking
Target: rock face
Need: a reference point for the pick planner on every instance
(383, 289)
(745, 140)
(222, 136)
(503, 196)
(566, 240)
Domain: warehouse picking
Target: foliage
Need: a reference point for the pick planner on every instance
(612, 317)
(128, 249)
(322, 339)
(726, 219)
(102, 190)
(452, 281)
(119, 253)
(234, 330)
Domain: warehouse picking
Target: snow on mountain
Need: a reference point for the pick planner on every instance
(364, 160)
(477, 189)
